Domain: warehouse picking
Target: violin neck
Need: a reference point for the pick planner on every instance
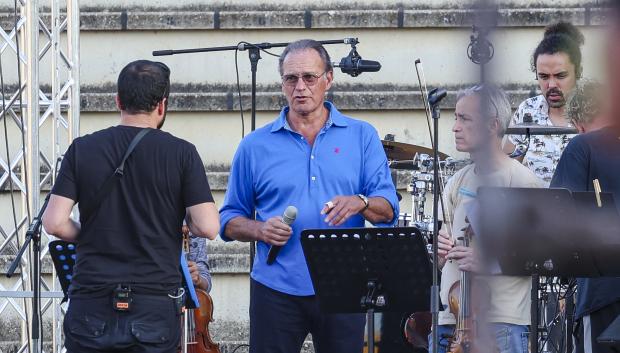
(465, 286)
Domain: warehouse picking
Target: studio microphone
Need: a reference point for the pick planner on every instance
(353, 64)
(288, 218)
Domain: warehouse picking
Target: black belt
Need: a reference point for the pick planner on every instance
(97, 291)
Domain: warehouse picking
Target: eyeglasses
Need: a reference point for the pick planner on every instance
(309, 79)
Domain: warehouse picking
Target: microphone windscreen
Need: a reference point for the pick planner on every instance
(289, 215)
(368, 65)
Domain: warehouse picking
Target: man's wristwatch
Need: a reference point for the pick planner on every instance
(365, 199)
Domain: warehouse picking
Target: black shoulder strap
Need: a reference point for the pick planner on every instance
(113, 179)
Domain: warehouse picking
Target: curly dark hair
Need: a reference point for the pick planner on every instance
(585, 102)
(142, 84)
(562, 37)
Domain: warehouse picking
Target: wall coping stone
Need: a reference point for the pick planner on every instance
(370, 16)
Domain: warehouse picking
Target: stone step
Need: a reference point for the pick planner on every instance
(224, 258)
(224, 98)
(139, 18)
(190, 98)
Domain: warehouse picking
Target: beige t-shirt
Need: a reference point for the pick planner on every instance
(510, 301)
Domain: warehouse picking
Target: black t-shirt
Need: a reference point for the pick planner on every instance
(134, 237)
(595, 155)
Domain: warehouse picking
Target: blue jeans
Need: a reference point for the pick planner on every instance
(510, 338)
(445, 333)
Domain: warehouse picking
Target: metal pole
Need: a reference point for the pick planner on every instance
(370, 323)
(254, 54)
(56, 116)
(534, 314)
(436, 196)
(73, 42)
(32, 167)
(55, 41)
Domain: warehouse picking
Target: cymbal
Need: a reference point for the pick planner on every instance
(446, 164)
(402, 165)
(534, 129)
(403, 151)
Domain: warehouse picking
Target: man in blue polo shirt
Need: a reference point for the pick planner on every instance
(333, 169)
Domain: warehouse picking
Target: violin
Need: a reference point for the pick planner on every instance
(459, 303)
(196, 321)
(416, 328)
(469, 336)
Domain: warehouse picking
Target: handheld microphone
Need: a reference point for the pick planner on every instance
(288, 218)
(353, 64)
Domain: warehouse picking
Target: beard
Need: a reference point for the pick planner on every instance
(163, 119)
(558, 103)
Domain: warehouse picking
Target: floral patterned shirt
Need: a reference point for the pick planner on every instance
(544, 151)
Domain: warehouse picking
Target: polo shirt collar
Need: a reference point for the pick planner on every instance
(335, 118)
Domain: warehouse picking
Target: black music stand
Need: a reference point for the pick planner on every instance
(368, 270)
(547, 232)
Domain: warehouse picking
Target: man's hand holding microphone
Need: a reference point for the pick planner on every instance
(277, 231)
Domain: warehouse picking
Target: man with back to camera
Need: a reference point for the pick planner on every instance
(557, 64)
(590, 156)
(482, 115)
(126, 277)
(333, 169)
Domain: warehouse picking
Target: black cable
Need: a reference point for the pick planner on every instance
(558, 292)
(239, 92)
(240, 346)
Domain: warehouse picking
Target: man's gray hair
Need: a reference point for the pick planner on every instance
(493, 101)
(304, 44)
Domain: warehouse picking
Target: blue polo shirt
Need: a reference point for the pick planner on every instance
(275, 167)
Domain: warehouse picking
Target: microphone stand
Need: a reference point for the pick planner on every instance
(33, 234)
(434, 97)
(254, 55)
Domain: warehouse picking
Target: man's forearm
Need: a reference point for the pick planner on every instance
(379, 210)
(242, 229)
(68, 231)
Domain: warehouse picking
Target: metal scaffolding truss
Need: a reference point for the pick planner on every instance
(42, 106)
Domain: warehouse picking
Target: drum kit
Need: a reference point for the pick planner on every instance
(418, 162)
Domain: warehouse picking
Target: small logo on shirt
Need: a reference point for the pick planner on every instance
(337, 150)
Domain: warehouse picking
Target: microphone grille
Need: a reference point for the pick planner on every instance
(290, 213)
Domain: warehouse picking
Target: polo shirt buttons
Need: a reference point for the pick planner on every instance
(312, 157)
(313, 178)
